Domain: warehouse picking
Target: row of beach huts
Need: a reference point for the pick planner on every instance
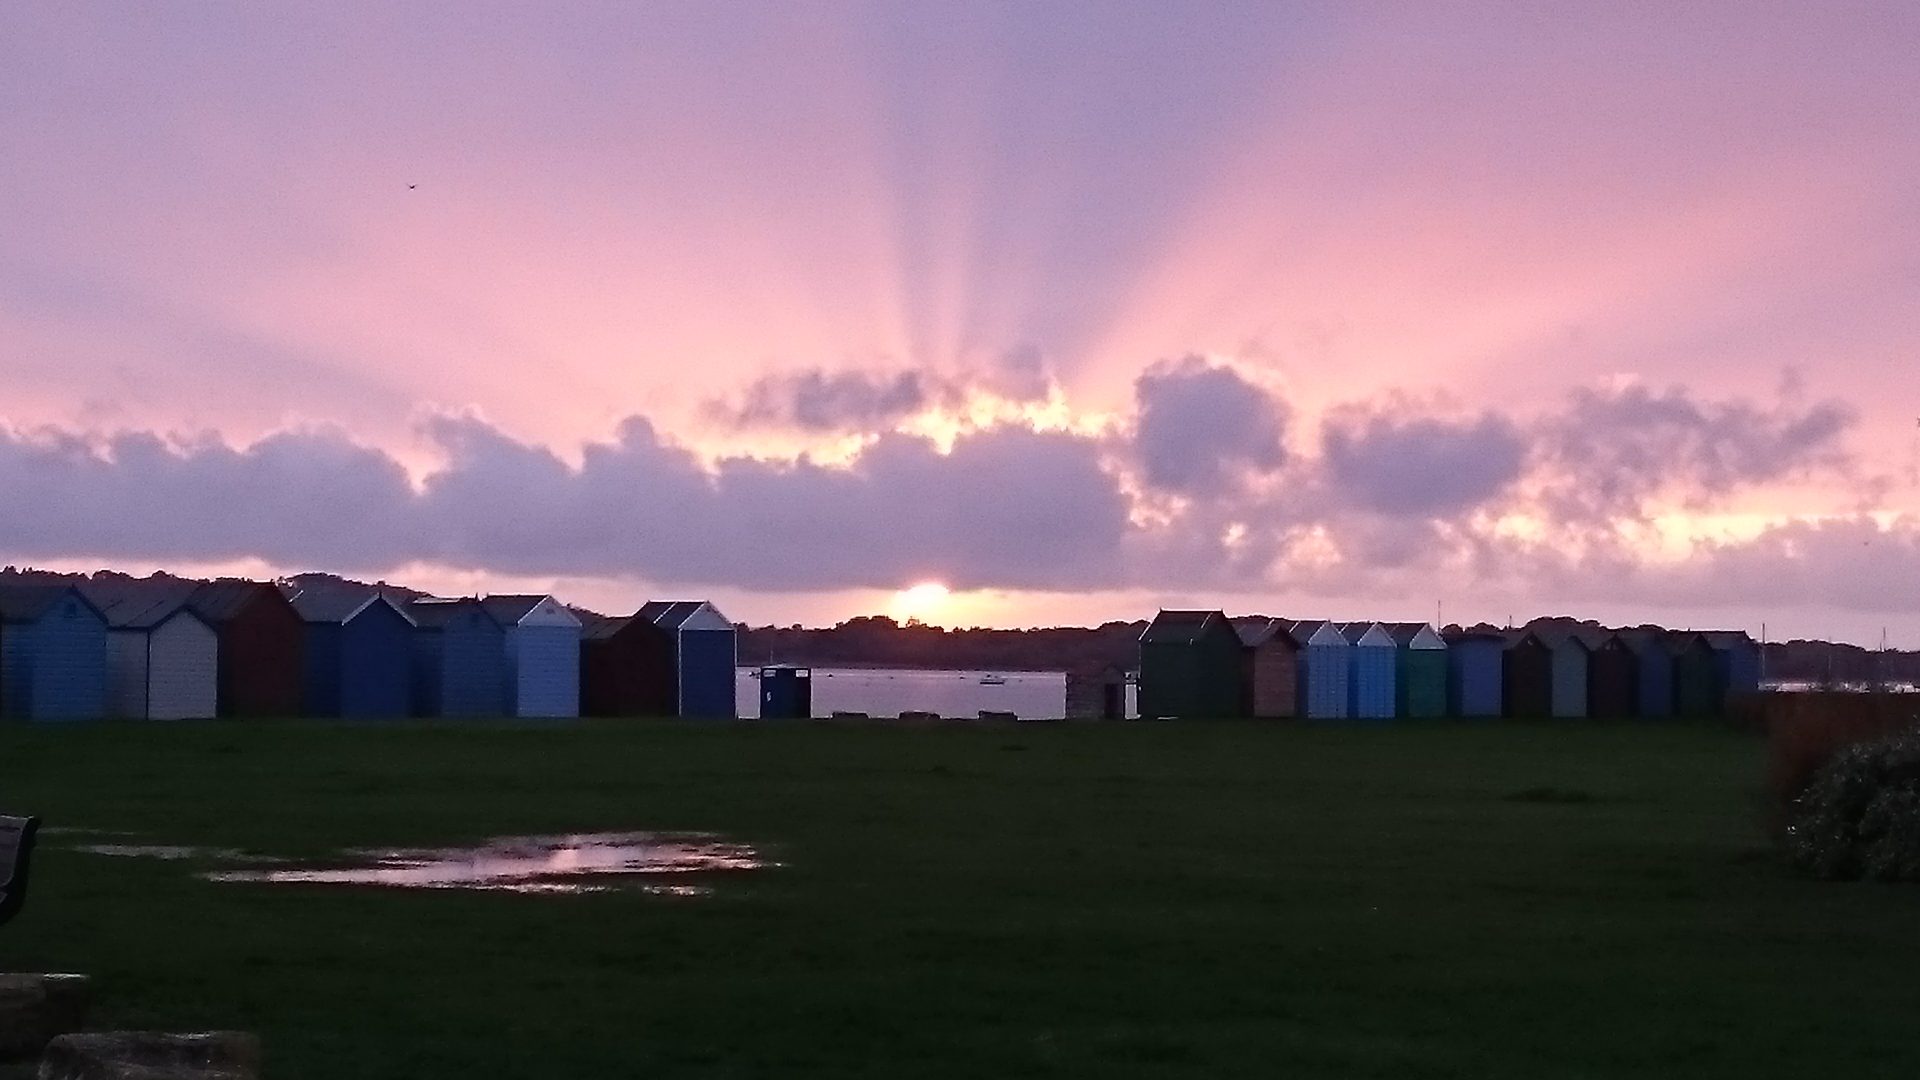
(1205, 664)
(170, 648)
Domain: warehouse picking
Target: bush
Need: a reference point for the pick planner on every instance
(1860, 817)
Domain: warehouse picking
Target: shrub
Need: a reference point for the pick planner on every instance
(1860, 817)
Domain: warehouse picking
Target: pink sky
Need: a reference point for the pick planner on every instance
(1321, 310)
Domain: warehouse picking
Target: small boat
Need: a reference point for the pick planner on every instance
(993, 680)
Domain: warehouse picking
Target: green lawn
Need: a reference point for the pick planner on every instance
(981, 902)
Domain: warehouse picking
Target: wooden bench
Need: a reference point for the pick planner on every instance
(16, 854)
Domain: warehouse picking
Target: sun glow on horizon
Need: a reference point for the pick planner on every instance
(925, 602)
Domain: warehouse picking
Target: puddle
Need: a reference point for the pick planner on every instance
(173, 852)
(581, 863)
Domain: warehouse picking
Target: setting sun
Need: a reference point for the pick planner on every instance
(925, 602)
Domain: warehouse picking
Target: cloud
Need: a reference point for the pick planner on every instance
(1202, 426)
(1388, 461)
(308, 497)
(1401, 495)
(817, 400)
(1614, 450)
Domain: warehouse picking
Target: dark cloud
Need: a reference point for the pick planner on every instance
(1386, 460)
(298, 498)
(1202, 426)
(1006, 506)
(828, 401)
(1613, 450)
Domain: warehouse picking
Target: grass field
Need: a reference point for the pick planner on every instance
(981, 901)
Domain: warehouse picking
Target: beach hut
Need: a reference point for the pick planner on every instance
(53, 654)
(1269, 668)
(543, 654)
(1653, 669)
(626, 669)
(1371, 688)
(1473, 672)
(163, 659)
(1697, 689)
(359, 654)
(1526, 675)
(1737, 659)
(1571, 659)
(1613, 676)
(786, 693)
(262, 669)
(1326, 670)
(1094, 692)
(1420, 670)
(705, 656)
(459, 659)
(1189, 666)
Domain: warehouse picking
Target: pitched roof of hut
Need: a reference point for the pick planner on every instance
(434, 612)
(26, 603)
(340, 605)
(1255, 631)
(1179, 627)
(220, 601)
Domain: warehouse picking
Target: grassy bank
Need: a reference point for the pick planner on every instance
(981, 901)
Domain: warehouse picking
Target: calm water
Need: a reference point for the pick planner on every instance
(1030, 695)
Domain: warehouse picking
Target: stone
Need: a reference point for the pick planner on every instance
(35, 1008)
(152, 1055)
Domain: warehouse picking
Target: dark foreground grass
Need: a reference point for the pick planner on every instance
(982, 901)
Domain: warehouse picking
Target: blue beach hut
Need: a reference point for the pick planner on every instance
(1653, 657)
(1570, 663)
(459, 659)
(53, 654)
(543, 654)
(1474, 672)
(358, 656)
(704, 654)
(1371, 687)
(1737, 660)
(1326, 667)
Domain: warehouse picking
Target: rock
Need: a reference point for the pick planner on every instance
(152, 1055)
(35, 1008)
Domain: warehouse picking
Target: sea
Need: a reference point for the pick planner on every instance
(888, 692)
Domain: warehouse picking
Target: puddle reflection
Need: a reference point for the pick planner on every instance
(579, 863)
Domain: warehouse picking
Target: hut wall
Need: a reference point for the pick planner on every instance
(1613, 682)
(127, 674)
(1696, 682)
(629, 673)
(1371, 684)
(545, 666)
(1420, 683)
(1570, 680)
(1325, 671)
(183, 665)
(321, 658)
(468, 666)
(1273, 673)
(707, 660)
(1527, 679)
(262, 671)
(1474, 677)
(65, 653)
(374, 663)
(1738, 666)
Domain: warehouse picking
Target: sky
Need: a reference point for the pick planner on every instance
(1062, 312)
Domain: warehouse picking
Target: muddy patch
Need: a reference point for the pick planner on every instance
(664, 863)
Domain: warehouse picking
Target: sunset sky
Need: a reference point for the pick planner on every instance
(1075, 309)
